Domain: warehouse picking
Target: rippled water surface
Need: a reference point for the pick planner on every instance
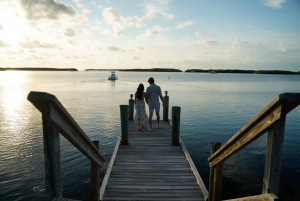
(213, 108)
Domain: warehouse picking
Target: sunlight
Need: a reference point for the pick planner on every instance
(13, 27)
(12, 78)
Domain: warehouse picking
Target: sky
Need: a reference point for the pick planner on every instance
(127, 34)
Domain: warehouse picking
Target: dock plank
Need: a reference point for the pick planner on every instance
(151, 168)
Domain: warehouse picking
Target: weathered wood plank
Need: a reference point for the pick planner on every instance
(273, 158)
(195, 171)
(150, 168)
(262, 197)
(66, 125)
(109, 169)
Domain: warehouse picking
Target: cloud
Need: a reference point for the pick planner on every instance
(30, 44)
(150, 33)
(78, 3)
(141, 48)
(71, 42)
(115, 49)
(69, 32)
(155, 7)
(46, 9)
(208, 42)
(4, 44)
(1, 27)
(197, 34)
(184, 24)
(274, 3)
(205, 41)
(135, 58)
(120, 23)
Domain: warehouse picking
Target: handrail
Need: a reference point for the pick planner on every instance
(277, 108)
(57, 120)
(272, 120)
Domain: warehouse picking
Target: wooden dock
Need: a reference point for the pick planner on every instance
(151, 168)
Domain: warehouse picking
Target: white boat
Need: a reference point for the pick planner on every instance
(113, 76)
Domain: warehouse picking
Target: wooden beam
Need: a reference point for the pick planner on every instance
(245, 136)
(124, 124)
(66, 125)
(175, 125)
(195, 171)
(273, 158)
(52, 156)
(263, 197)
(257, 126)
(95, 178)
(109, 169)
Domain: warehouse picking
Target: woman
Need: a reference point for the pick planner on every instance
(139, 102)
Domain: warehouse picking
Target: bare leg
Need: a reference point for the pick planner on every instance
(150, 119)
(157, 118)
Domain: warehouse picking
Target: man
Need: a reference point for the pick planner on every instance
(153, 92)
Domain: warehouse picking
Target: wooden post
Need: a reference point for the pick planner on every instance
(95, 178)
(215, 176)
(131, 107)
(175, 125)
(166, 107)
(52, 156)
(124, 124)
(273, 158)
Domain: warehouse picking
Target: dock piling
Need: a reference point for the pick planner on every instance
(215, 176)
(175, 125)
(95, 177)
(166, 107)
(124, 124)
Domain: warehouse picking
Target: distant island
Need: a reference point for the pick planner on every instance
(140, 70)
(38, 69)
(153, 70)
(242, 71)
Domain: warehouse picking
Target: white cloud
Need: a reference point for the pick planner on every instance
(274, 3)
(4, 44)
(208, 42)
(150, 33)
(184, 24)
(205, 41)
(115, 49)
(1, 27)
(135, 58)
(36, 44)
(120, 23)
(47, 9)
(78, 3)
(87, 32)
(157, 7)
(197, 34)
(69, 32)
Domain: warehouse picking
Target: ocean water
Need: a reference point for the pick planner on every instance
(213, 108)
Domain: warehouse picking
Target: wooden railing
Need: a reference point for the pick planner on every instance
(57, 120)
(272, 120)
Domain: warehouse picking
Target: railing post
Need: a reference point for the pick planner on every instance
(175, 125)
(166, 107)
(52, 156)
(131, 107)
(95, 178)
(273, 158)
(124, 124)
(215, 176)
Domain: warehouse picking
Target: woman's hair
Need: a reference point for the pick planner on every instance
(139, 92)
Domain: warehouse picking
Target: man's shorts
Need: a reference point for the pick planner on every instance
(151, 109)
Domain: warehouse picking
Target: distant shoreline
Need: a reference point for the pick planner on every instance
(38, 69)
(213, 71)
(139, 70)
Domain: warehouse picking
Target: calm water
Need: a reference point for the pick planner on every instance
(214, 107)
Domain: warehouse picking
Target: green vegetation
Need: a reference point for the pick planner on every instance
(38, 69)
(243, 71)
(153, 70)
